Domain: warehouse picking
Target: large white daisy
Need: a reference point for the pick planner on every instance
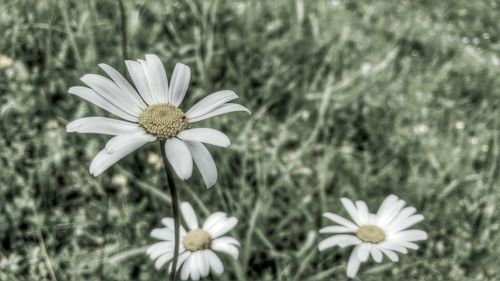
(375, 235)
(150, 112)
(196, 250)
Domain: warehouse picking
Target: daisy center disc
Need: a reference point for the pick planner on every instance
(196, 240)
(163, 120)
(370, 234)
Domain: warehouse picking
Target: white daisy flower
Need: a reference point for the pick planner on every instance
(150, 112)
(385, 232)
(196, 250)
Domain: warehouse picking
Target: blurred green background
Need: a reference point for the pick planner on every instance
(349, 98)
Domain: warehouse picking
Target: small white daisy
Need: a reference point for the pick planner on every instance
(196, 250)
(152, 113)
(385, 232)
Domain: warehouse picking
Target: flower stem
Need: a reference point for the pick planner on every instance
(123, 27)
(175, 209)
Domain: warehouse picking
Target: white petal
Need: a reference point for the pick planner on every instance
(162, 260)
(204, 264)
(163, 234)
(103, 125)
(104, 160)
(387, 203)
(186, 268)
(342, 241)
(352, 210)
(353, 263)
(403, 215)
(179, 157)
(364, 251)
(340, 220)
(376, 254)
(409, 245)
(410, 235)
(151, 86)
(195, 266)
(213, 219)
(121, 142)
(183, 256)
(225, 108)
(335, 229)
(93, 97)
(392, 256)
(363, 212)
(189, 215)
(204, 161)
(390, 213)
(221, 246)
(205, 135)
(158, 78)
(156, 253)
(179, 83)
(108, 90)
(405, 223)
(140, 80)
(210, 103)
(168, 222)
(229, 240)
(394, 246)
(215, 263)
(222, 227)
(407, 212)
(123, 84)
(159, 248)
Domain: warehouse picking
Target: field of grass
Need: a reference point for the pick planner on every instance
(349, 98)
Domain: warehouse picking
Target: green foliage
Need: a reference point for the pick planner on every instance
(349, 98)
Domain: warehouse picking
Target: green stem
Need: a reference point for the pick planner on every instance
(175, 208)
(123, 27)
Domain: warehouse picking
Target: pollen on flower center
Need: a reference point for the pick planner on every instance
(163, 120)
(370, 234)
(196, 240)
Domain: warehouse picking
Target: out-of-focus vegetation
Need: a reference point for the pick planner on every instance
(349, 98)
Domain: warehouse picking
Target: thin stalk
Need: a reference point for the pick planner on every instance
(123, 29)
(175, 209)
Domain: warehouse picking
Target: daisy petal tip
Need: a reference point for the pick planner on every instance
(70, 128)
(323, 245)
(185, 204)
(183, 66)
(151, 56)
(109, 150)
(392, 197)
(86, 77)
(73, 90)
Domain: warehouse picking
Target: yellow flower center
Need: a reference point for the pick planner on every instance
(163, 120)
(370, 234)
(196, 240)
